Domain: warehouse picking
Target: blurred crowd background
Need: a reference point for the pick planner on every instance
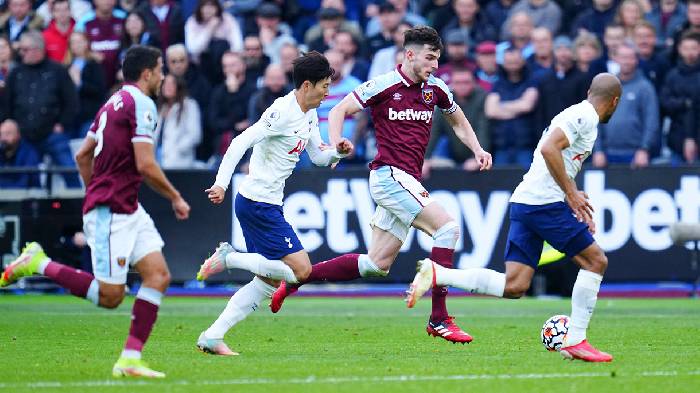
(512, 66)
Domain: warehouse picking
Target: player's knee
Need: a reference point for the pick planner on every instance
(111, 297)
(302, 273)
(447, 235)
(599, 263)
(516, 289)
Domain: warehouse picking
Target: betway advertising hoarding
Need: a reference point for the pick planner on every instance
(331, 211)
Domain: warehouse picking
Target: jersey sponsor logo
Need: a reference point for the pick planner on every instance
(428, 95)
(581, 156)
(104, 46)
(410, 114)
(298, 148)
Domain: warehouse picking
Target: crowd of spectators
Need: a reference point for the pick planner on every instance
(512, 65)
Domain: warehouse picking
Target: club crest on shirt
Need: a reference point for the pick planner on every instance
(428, 95)
(121, 261)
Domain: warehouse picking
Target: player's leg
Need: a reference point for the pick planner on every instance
(593, 263)
(34, 260)
(246, 300)
(146, 256)
(382, 252)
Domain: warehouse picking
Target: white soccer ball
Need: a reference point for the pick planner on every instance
(553, 332)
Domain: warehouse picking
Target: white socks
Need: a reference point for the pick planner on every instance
(475, 280)
(246, 300)
(583, 299)
(261, 266)
(368, 268)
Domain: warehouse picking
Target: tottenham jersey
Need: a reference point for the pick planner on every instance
(580, 125)
(282, 134)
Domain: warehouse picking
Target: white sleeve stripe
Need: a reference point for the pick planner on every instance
(142, 139)
(91, 135)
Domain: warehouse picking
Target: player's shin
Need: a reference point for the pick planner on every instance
(143, 317)
(342, 268)
(261, 266)
(583, 301)
(246, 300)
(79, 283)
(444, 241)
(475, 280)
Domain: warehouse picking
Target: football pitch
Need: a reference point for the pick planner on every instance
(58, 343)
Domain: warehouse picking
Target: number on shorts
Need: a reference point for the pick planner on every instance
(99, 133)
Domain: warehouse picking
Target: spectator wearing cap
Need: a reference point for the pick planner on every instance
(16, 153)
(509, 106)
(385, 60)
(562, 86)
(328, 11)
(208, 24)
(487, 69)
(542, 59)
(164, 20)
(389, 19)
(633, 132)
(542, 13)
(468, 19)
(653, 60)
(594, 19)
(401, 7)
(667, 16)
(497, 12)
(348, 45)
(470, 98)
(520, 37)
(271, 31)
(330, 21)
(19, 19)
(457, 55)
(679, 100)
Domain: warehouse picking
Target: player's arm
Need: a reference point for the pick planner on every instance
(84, 158)
(347, 107)
(551, 151)
(464, 131)
(147, 166)
(234, 153)
(322, 154)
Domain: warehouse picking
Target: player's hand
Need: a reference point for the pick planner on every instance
(344, 147)
(690, 150)
(471, 165)
(641, 159)
(216, 194)
(484, 159)
(578, 201)
(591, 226)
(181, 209)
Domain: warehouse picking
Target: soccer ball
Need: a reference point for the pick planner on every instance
(553, 332)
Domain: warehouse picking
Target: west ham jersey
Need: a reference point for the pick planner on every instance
(129, 116)
(402, 112)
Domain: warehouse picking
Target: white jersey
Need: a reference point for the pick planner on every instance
(580, 125)
(279, 137)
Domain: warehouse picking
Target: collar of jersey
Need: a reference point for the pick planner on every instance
(406, 80)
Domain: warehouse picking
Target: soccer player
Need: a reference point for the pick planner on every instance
(547, 206)
(402, 103)
(115, 157)
(287, 128)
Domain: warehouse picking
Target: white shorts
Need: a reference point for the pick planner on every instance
(118, 241)
(399, 198)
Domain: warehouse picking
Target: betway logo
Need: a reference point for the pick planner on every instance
(410, 114)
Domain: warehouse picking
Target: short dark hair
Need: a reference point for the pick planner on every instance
(312, 67)
(690, 35)
(201, 3)
(423, 35)
(137, 59)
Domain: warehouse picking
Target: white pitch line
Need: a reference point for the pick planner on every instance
(336, 380)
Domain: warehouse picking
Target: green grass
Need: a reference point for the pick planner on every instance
(59, 343)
